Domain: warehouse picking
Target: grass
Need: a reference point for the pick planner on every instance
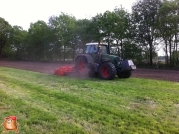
(50, 104)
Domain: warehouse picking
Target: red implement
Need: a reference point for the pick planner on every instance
(64, 70)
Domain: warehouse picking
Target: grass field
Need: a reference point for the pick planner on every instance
(49, 104)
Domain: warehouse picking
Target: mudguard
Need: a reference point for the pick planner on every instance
(88, 58)
(128, 65)
(90, 61)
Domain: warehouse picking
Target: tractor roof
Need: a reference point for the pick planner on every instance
(96, 43)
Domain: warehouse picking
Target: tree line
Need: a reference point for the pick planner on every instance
(134, 35)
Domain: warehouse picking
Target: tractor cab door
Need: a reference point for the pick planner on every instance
(93, 51)
(103, 49)
(96, 51)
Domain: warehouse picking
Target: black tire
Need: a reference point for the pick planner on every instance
(81, 66)
(125, 74)
(107, 71)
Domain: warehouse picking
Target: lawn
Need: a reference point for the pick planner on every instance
(50, 104)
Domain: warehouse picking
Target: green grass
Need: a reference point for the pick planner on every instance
(52, 104)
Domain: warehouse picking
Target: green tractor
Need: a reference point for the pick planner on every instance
(98, 61)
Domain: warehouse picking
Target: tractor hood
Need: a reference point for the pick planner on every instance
(112, 58)
(122, 65)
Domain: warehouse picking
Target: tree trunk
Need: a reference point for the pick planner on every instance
(64, 51)
(122, 49)
(151, 55)
(170, 50)
(150, 50)
(2, 44)
(118, 48)
(176, 48)
(166, 52)
(0, 53)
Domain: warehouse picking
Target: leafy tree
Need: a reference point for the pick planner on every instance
(168, 28)
(17, 42)
(38, 40)
(83, 34)
(54, 42)
(107, 22)
(132, 51)
(96, 28)
(121, 28)
(111, 27)
(114, 28)
(64, 28)
(145, 16)
(4, 34)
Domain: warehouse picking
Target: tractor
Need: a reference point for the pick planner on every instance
(98, 61)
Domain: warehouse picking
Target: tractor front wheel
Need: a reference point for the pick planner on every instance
(107, 71)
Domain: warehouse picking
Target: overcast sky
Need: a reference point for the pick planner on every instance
(23, 12)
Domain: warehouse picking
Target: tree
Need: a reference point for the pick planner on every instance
(145, 15)
(107, 24)
(168, 28)
(4, 34)
(64, 28)
(83, 34)
(96, 28)
(111, 27)
(132, 51)
(38, 40)
(17, 42)
(121, 28)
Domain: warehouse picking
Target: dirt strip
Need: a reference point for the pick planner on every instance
(45, 67)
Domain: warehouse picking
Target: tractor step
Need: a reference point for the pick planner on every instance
(64, 70)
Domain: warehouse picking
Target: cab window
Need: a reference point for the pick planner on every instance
(91, 49)
(103, 49)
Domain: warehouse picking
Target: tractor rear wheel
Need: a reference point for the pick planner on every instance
(81, 66)
(107, 71)
(125, 74)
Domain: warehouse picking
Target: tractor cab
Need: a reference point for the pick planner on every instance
(97, 51)
(95, 48)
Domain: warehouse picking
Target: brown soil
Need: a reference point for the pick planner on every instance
(49, 68)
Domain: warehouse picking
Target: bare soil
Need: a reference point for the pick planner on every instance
(49, 68)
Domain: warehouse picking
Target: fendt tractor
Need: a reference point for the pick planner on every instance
(98, 61)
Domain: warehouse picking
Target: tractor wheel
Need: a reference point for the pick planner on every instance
(107, 71)
(125, 74)
(81, 66)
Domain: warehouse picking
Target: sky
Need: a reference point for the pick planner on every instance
(24, 12)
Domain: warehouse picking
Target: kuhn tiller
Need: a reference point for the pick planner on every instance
(63, 70)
